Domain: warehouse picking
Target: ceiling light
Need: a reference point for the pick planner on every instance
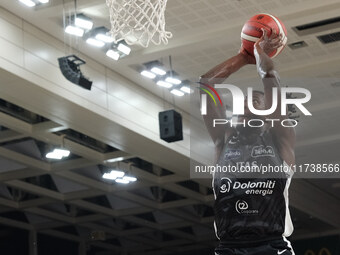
(158, 71)
(117, 173)
(148, 74)
(72, 30)
(155, 66)
(177, 92)
(113, 54)
(95, 42)
(105, 38)
(108, 176)
(52, 155)
(28, 3)
(186, 89)
(173, 77)
(124, 49)
(173, 80)
(58, 154)
(123, 181)
(113, 175)
(83, 21)
(114, 160)
(164, 84)
(130, 178)
(44, 1)
(62, 152)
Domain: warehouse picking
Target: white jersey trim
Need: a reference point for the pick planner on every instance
(213, 187)
(289, 245)
(289, 228)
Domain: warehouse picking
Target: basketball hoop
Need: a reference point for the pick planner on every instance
(138, 21)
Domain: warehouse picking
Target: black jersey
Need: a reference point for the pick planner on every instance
(251, 210)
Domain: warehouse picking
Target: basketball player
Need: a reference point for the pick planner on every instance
(251, 214)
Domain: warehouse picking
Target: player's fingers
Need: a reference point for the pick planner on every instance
(264, 33)
(273, 42)
(274, 34)
(276, 39)
(276, 45)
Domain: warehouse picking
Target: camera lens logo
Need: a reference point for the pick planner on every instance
(239, 99)
(225, 185)
(204, 97)
(241, 205)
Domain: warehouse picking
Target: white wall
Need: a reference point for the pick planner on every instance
(36, 53)
(32, 55)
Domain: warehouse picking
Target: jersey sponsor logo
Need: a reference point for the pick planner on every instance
(262, 151)
(262, 188)
(281, 252)
(268, 184)
(225, 185)
(232, 154)
(242, 207)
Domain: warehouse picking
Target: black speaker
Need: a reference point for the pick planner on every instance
(69, 67)
(170, 126)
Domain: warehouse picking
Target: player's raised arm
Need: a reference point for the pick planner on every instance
(284, 136)
(216, 76)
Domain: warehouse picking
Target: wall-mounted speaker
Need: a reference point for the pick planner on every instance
(69, 67)
(170, 126)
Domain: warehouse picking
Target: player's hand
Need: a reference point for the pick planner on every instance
(262, 48)
(268, 44)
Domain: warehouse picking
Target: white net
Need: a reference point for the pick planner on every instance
(138, 21)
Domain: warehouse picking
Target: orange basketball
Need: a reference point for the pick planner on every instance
(251, 32)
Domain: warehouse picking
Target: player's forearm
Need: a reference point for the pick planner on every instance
(222, 71)
(270, 77)
(264, 64)
(217, 75)
(270, 80)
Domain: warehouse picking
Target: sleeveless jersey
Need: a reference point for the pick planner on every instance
(251, 210)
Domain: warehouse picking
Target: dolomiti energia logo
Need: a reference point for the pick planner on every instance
(262, 188)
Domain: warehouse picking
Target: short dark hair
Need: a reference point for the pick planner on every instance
(258, 91)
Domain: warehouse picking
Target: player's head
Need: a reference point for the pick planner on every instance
(258, 102)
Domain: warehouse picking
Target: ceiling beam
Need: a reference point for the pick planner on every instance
(34, 189)
(48, 127)
(20, 174)
(15, 223)
(10, 135)
(35, 202)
